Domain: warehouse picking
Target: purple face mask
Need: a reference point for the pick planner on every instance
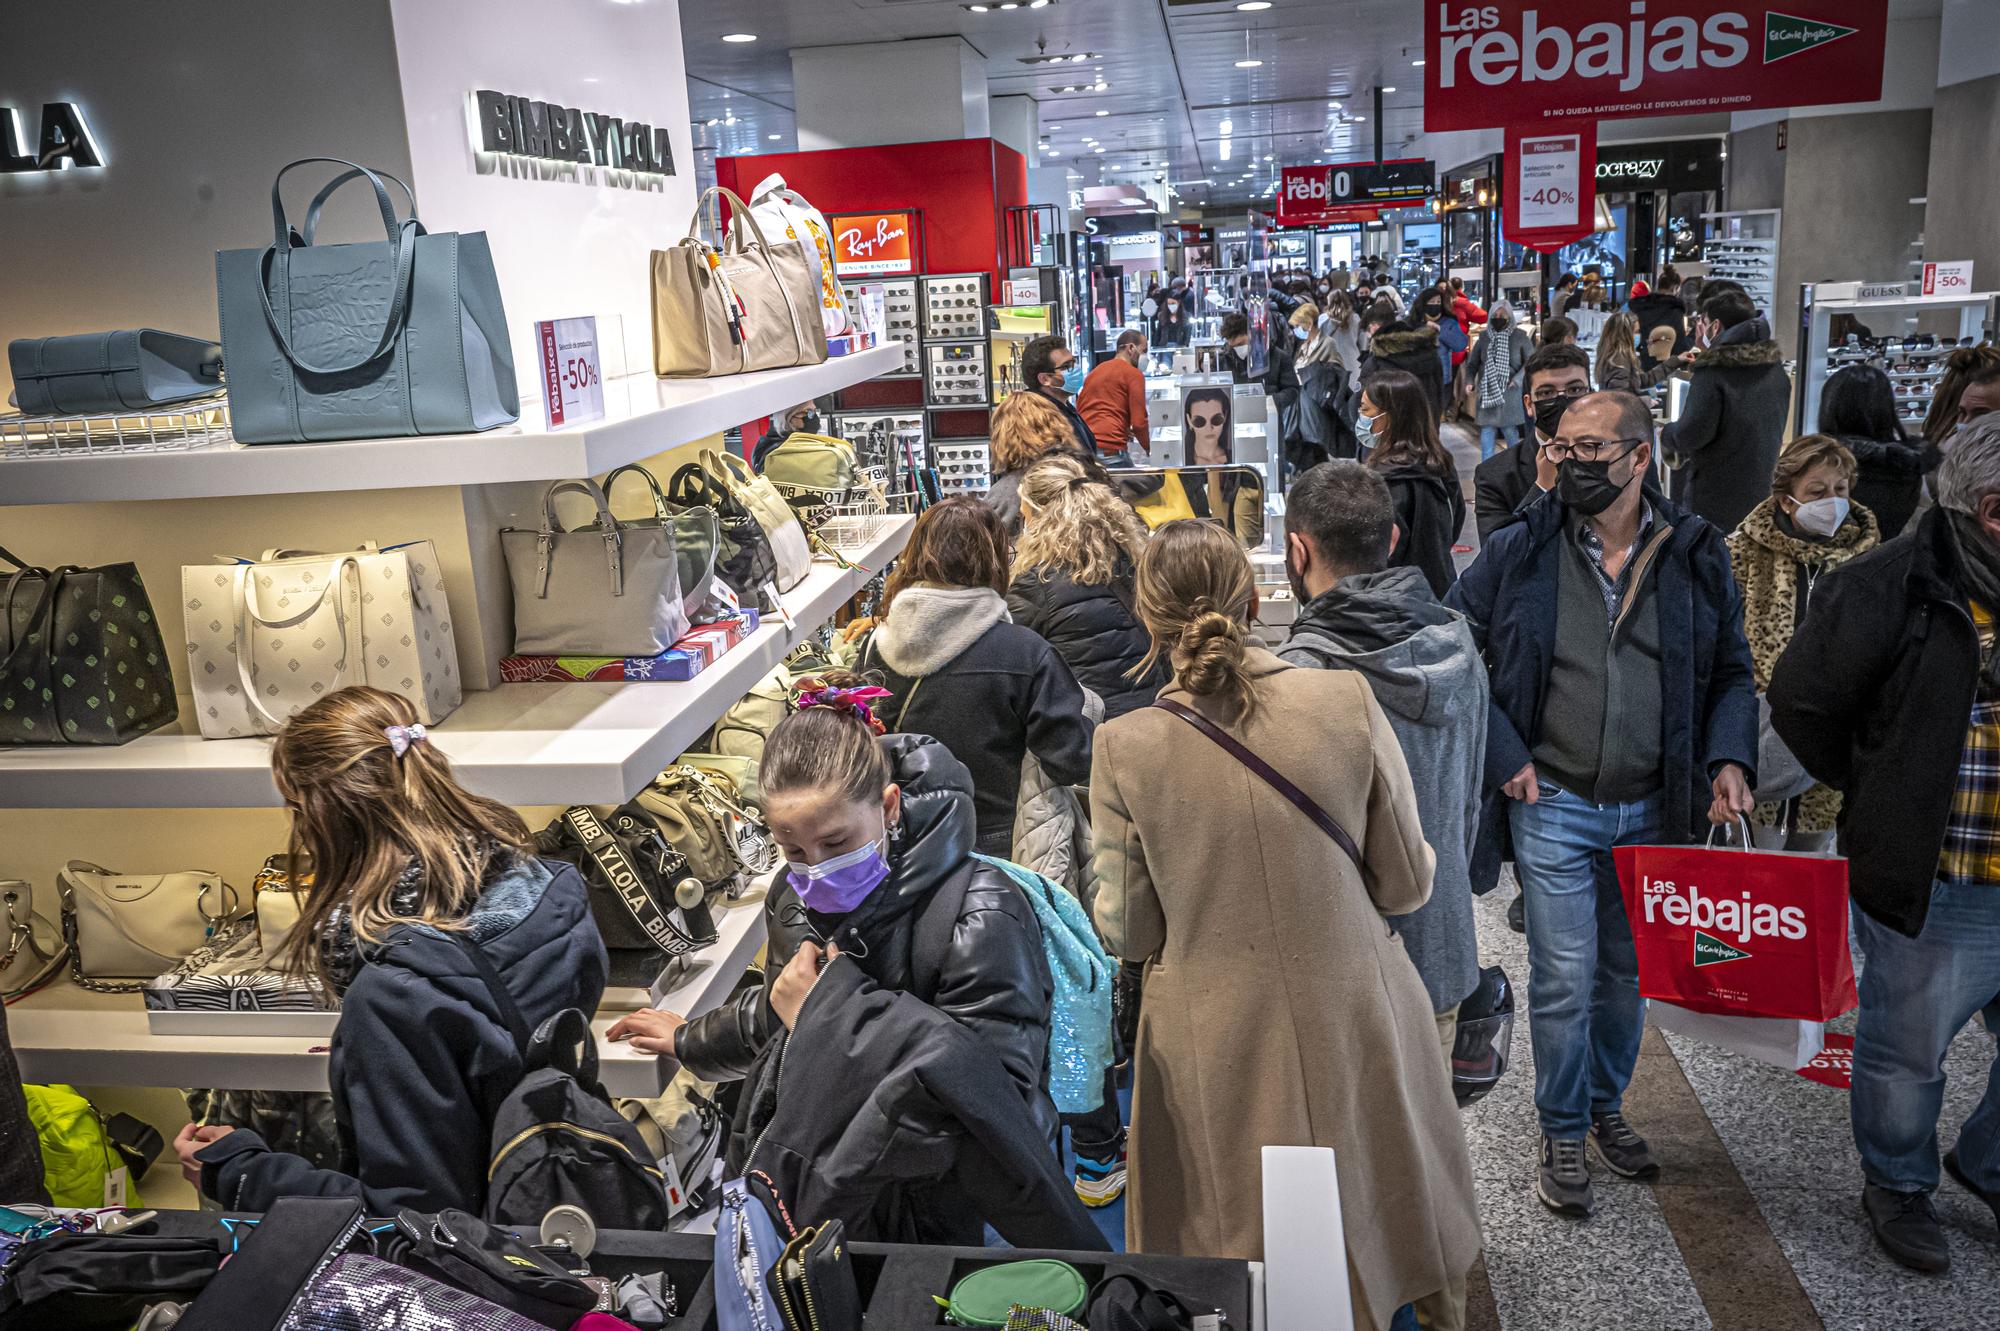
(838, 885)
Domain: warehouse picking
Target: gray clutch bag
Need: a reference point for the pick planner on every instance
(610, 589)
(135, 369)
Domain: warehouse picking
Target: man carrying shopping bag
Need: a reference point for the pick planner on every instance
(1623, 711)
(1890, 693)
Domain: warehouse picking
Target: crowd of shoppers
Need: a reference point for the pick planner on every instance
(1614, 668)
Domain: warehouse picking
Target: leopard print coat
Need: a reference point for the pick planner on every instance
(1767, 563)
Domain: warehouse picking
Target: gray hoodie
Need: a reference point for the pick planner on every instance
(1421, 662)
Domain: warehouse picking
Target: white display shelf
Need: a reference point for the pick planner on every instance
(519, 743)
(74, 1036)
(644, 416)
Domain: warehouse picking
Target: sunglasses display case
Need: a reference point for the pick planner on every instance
(899, 316)
(964, 467)
(955, 374)
(1907, 337)
(954, 306)
(888, 437)
(1743, 247)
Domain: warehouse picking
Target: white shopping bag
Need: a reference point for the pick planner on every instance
(1780, 1041)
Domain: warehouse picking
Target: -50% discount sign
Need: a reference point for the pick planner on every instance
(572, 381)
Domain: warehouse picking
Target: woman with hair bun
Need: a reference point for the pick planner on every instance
(894, 1061)
(411, 876)
(1268, 962)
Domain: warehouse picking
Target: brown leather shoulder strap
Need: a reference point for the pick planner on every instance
(1271, 776)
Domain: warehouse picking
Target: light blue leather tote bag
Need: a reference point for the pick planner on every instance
(394, 337)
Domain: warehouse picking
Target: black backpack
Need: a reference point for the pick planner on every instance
(557, 1141)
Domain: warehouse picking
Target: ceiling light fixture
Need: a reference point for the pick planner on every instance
(1388, 90)
(774, 137)
(739, 37)
(1252, 6)
(1082, 56)
(1416, 64)
(1225, 128)
(1038, 4)
(1225, 150)
(1249, 64)
(1249, 60)
(1097, 150)
(1104, 113)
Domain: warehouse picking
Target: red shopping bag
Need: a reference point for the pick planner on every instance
(1745, 933)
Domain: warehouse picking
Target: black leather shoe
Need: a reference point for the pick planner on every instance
(1517, 913)
(1906, 1225)
(1952, 1168)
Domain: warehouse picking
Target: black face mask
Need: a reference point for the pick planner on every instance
(1587, 487)
(810, 423)
(1549, 414)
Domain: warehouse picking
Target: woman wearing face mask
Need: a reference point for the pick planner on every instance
(802, 419)
(870, 991)
(1430, 503)
(1171, 325)
(1494, 370)
(1434, 308)
(1807, 526)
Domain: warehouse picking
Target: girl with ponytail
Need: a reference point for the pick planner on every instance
(402, 875)
(1072, 582)
(1268, 963)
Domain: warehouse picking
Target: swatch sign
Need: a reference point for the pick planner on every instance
(1527, 62)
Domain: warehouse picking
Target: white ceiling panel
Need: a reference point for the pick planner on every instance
(1170, 66)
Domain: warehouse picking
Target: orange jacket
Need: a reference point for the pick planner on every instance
(1113, 405)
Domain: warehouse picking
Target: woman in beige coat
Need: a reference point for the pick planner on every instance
(1279, 1008)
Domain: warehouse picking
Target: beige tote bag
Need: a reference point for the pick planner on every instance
(265, 638)
(748, 305)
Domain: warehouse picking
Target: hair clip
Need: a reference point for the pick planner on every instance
(858, 700)
(402, 737)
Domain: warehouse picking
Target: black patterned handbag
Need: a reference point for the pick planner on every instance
(81, 657)
(746, 561)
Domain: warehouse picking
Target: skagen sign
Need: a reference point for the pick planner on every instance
(524, 127)
(63, 142)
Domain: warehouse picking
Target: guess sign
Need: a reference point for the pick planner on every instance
(1314, 194)
(1522, 62)
(872, 245)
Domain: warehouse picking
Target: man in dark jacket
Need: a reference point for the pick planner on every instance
(1050, 368)
(1890, 692)
(1739, 398)
(1623, 710)
(1505, 484)
(1356, 613)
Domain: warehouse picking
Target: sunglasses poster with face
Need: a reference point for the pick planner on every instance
(1208, 427)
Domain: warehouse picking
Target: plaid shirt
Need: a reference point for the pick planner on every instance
(1971, 851)
(1614, 590)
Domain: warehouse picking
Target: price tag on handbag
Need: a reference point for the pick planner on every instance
(572, 379)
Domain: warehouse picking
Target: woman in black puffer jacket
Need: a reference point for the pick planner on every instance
(1072, 582)
(889, 943)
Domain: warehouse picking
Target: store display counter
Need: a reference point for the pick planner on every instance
(64, 1034)
(530, 744)
(644, 416)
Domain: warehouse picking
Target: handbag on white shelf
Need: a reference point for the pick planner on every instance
(266, 638)
(136, 926)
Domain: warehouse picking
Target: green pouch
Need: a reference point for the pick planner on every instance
(985, 1297)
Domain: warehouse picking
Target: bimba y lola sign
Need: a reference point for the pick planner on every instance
(1526, 62)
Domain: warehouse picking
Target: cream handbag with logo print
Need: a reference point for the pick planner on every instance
(265, 638)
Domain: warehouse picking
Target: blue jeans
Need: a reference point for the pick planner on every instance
(1585, 1015)
(1916, 994)
(1487, 434)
